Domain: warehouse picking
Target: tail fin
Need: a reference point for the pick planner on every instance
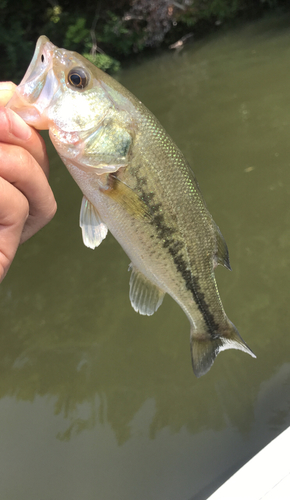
(204, 351)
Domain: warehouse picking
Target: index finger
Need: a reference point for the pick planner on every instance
(13, 130)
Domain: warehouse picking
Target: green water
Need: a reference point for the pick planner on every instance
(100, 403)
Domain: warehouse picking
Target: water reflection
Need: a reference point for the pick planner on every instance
(101, 386)
(125, 360)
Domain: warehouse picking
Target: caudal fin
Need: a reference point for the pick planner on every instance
(204, 351)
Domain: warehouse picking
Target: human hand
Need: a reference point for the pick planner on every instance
(26, 199)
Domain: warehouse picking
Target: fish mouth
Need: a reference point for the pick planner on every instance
(28, 112)
(38, 87)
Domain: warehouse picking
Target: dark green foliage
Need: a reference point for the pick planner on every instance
(108, 31)
(66, 24)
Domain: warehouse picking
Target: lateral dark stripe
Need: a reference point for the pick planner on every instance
(174, 248)
(192, 284)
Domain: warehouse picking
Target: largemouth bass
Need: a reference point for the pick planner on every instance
(137, 184)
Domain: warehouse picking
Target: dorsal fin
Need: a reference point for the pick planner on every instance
(222, 253)
(94, 231)
(144, 295)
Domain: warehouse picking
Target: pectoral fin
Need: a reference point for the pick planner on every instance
(124, 195)
(144, 295)
(94, 231)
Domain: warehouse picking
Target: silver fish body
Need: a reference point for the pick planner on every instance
(137, 184)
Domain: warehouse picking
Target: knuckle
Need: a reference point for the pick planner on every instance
(38, 149)
(22, 208)
(25, 159)
(51, 209)
(5, 121)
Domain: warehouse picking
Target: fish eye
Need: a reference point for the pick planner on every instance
(42, 58)
(78, 78)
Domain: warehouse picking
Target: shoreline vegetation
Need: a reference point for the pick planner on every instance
(112, 31)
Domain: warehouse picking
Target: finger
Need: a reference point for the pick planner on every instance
(19, 168)
(13, 130)
(14, 209)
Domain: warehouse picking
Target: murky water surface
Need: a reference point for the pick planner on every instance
(98, 402)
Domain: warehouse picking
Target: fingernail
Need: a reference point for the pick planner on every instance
(19, 128)
(7, 86)
(5, 94)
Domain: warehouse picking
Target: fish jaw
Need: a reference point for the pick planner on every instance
(35, 93)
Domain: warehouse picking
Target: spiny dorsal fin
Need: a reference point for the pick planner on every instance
(144, 295)
(222, 253)
(94, 231)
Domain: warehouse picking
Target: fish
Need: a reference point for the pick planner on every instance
(137, 184)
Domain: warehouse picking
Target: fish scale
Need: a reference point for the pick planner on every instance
(136, 184)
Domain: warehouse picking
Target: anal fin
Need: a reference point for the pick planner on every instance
(145, 297)
(94, 231)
